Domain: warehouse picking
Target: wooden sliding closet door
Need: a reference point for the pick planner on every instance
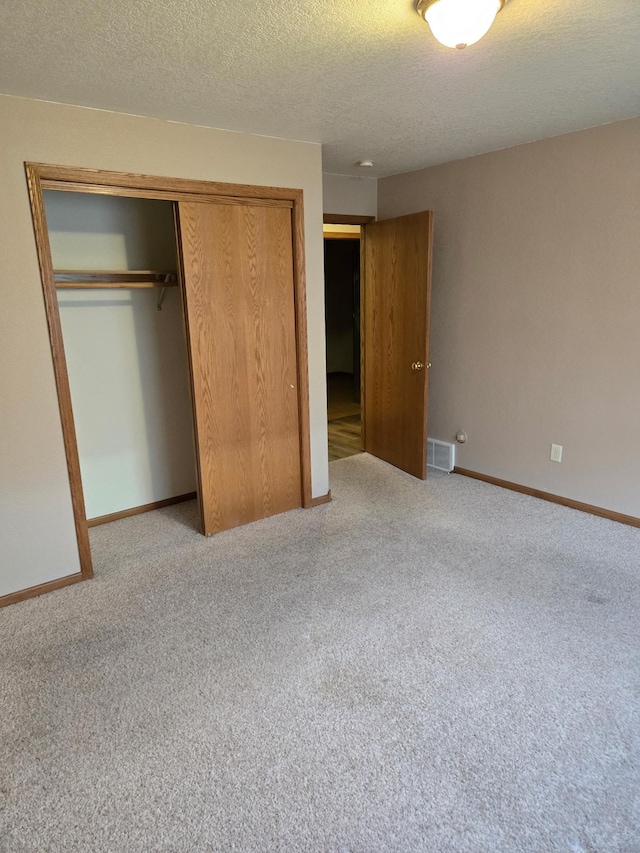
(237, 269)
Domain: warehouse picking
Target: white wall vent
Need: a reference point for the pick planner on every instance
(441, 455)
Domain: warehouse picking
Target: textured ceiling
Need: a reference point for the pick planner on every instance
(364, 78)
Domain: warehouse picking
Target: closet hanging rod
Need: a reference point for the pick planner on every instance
(114, 278)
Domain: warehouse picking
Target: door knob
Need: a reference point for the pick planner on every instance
(417, 365)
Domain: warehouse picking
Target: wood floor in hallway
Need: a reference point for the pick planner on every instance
(343, 414)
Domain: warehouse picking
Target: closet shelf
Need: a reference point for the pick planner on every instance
(114, 278)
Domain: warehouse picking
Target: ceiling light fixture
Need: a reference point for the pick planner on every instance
(365, 164)
(458, 23)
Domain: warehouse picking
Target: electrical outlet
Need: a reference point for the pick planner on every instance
(556, 453)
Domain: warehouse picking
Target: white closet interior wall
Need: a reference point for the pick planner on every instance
(126, 360)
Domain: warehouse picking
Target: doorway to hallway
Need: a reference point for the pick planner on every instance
(390, 287)
(342, 318)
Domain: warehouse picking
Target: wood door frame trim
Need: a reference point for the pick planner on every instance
(345, 219)
(166, 195)
(340, 235)
(98, 181)
(63, 389)
(82, 179)
(302, 344)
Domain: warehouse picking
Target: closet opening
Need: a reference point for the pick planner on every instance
(116, 275)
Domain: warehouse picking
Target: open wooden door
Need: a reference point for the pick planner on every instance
(396, 291)
(237, 272)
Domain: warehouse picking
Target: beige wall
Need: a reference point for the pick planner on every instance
(536, 310)
(37, 541)
(353, 196)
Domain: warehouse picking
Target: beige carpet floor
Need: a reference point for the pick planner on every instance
(441, 666)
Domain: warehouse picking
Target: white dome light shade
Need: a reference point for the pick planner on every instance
(458, 23)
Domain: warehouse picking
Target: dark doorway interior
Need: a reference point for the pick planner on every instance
(342, 315)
